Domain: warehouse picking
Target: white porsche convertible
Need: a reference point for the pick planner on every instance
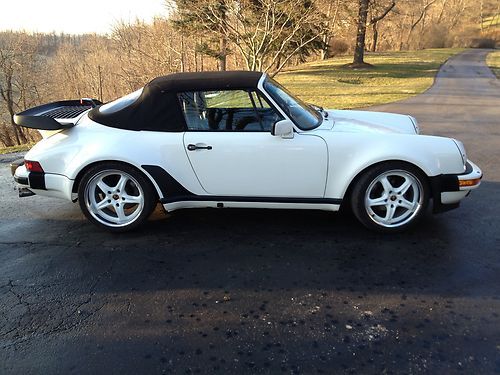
(238, 139)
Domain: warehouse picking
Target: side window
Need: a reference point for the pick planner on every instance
(227, 110)
(268, 115)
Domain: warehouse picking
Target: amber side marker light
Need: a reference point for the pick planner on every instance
(33, 166)
(464, 183)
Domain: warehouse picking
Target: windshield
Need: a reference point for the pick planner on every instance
(305, 117)
(120, 103)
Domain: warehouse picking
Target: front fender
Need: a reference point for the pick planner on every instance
(350, 154)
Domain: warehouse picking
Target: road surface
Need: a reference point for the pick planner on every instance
(252, 291)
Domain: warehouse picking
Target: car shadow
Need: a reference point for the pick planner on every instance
(248, 248)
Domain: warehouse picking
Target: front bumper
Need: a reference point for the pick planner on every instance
(449, 189)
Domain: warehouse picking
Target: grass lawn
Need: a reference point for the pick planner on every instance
(493, 62)
(396, 76)
(492, 21)
(8, 150)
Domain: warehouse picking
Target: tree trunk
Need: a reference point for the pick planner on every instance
(373, 47)
(183, 58)
(9, 101)
(359, 51)
(221, 62)
(374, 22)
(99, 72)
(481, 15)
(325, 51)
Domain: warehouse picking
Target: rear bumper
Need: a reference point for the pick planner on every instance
(449, 189)
(46, 184)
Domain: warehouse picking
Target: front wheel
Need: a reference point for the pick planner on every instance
(390, 197)
(115, 196)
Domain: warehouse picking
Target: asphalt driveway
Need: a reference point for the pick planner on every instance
(253, 291)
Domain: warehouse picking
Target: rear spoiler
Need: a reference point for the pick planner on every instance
(56, 115)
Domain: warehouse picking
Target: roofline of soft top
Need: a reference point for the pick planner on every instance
(190, 81)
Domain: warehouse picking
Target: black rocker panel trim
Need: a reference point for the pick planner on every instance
(173, 191)
(37, 180)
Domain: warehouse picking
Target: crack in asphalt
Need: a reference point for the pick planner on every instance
(65, 323)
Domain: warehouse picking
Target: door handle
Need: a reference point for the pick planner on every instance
(192, 147)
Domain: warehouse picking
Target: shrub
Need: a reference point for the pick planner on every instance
(337, 47)
(482, 43)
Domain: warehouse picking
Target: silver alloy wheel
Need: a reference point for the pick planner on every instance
(394, 198)
(114, 198)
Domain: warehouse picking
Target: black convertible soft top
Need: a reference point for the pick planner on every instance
(158, 109)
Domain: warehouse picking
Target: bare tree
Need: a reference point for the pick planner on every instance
(375, 19)
(18, 64)
(266, 33)
(420, 14)
(332, 12)
(188, 17)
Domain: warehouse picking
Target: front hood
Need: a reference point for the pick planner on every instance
(372, 122)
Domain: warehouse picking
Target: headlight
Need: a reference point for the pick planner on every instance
(415, 124)
(462, 151)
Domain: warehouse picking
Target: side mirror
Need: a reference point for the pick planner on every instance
(283, 129)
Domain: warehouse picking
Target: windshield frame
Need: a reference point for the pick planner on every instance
(284, 105)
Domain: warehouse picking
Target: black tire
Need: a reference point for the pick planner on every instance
(381, 209)
(137, 198)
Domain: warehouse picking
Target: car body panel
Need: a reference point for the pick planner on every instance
(371, 122)
(350, 154)
(70, 151)
(283, 167)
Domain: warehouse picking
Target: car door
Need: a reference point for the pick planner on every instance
(233, 153)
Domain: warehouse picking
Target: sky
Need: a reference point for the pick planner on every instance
(75, 16)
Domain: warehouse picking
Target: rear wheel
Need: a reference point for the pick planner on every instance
(390, 197)
(116, 197)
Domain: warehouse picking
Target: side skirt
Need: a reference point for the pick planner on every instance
(227, 199)
(172, 206)
(176, 196)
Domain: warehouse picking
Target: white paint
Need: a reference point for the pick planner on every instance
(259, 164)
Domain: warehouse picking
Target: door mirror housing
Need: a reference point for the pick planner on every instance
(283, 129)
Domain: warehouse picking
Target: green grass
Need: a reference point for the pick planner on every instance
(8, 150)
(493, 61)
(396, 76)
(492, 21)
